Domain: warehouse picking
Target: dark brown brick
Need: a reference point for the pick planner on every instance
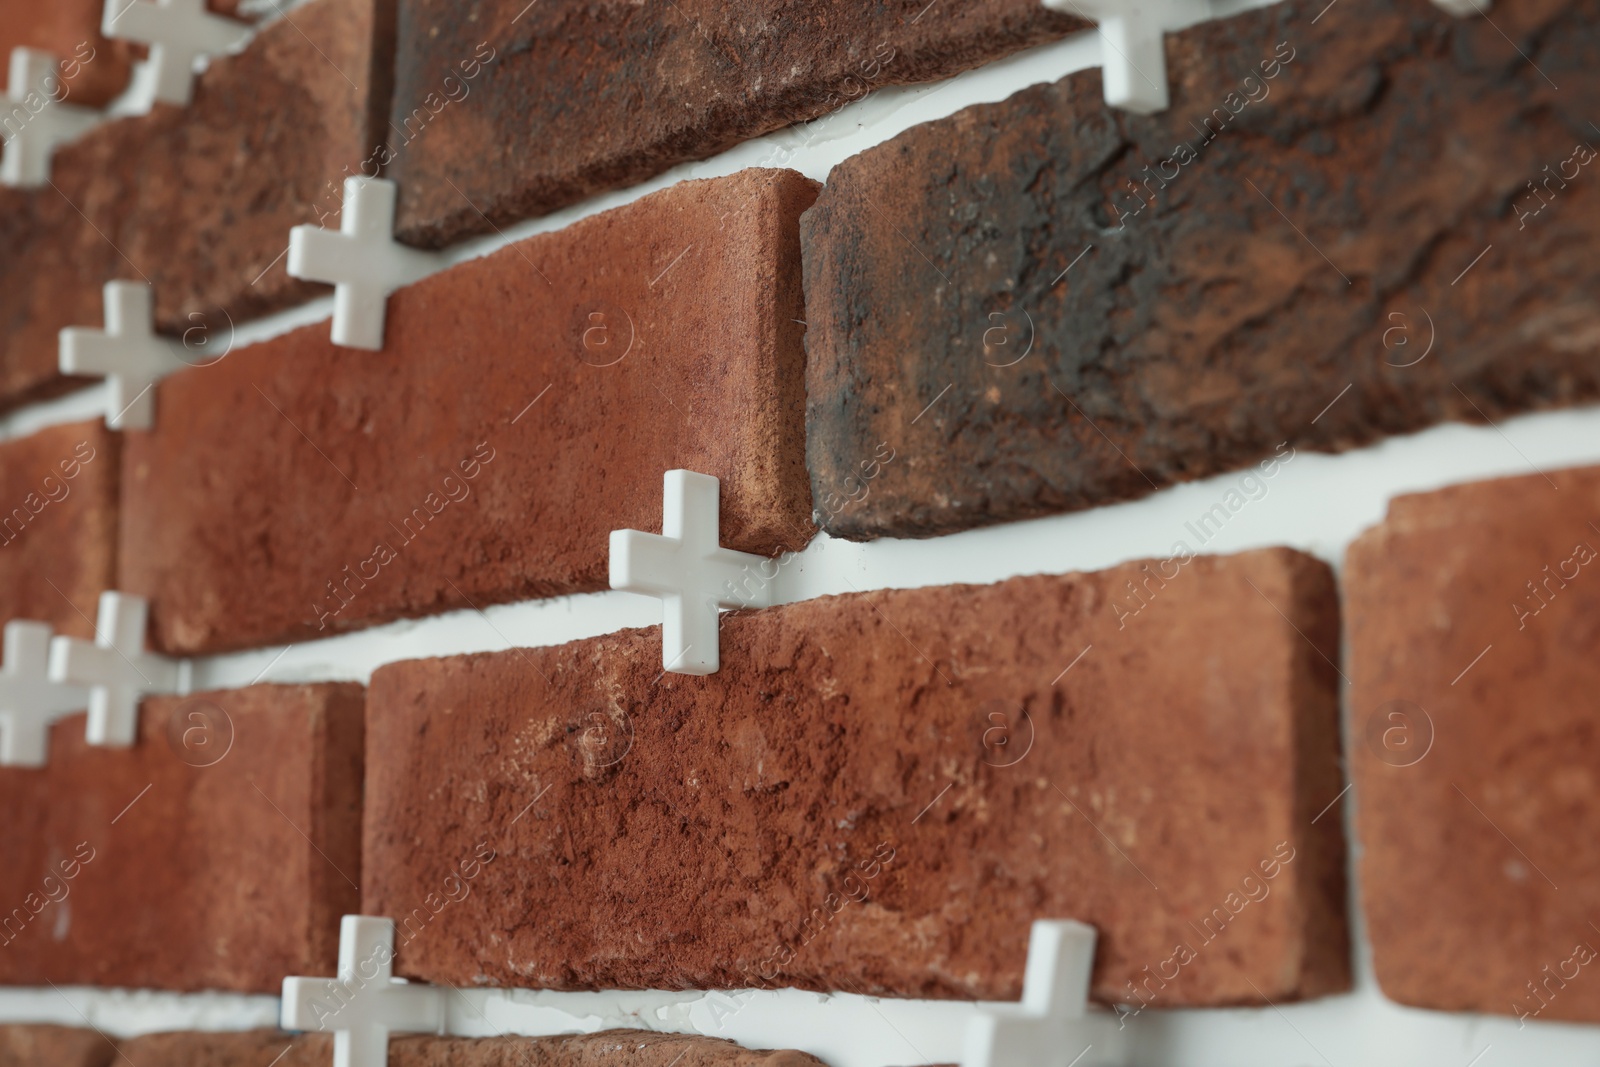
(633, 1048)
(49, 278)
(1203, 330)
(199, 201)
(257, 504)
(827, 812)
(55, 1046)
(1474, 617)
(58, 524)
(480, 139)
(219, 852)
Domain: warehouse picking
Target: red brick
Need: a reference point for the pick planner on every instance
(1201, 331)
(675, 832)
(217, 853)
(55, 1046)
(481, 140)
(1470, 801)
(632, 1048)
(199, 201)
(58, 524)
(270, 473)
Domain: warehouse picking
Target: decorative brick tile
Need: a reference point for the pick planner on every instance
(1101, 304)
(527, 404)
(199, 201)
(478, 138)
(879, 792)
(217, 853)
(57, 1046)
(58, 525)
(608, 1048)
(1474, 617)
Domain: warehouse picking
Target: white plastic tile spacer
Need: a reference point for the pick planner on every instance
(179, 32)
(1133, 55)
(1055, 991)
(115, 668)
(45, 121)
(29, 700)
(361, 260)
(128, 353)
(1462, 8)
(689, 570)
(365, 1003)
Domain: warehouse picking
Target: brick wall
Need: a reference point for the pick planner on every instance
(1178, 523)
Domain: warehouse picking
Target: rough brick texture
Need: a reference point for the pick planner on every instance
(199, 201)
(1474, 617)
(55, 1046)
(58, 524)
(298, 489)
(1201, 329)
(878, 793)
(217, 853)
(479, 139)
(609, 1048)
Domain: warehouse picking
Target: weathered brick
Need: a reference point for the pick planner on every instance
(198, 201)
(634, 1048)
(292, 489)
(57, 1046)
(836, 809)
(58, 524)
(1200, 329)
(1474, 616)
(219, 852)
(480, 138)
